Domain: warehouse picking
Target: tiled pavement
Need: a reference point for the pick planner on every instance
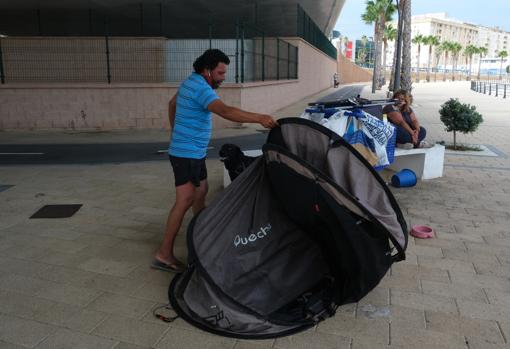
(84, 281)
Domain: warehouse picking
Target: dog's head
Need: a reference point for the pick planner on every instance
(230, 152)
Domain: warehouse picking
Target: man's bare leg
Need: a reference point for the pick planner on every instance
(184, 195)
(199, 198)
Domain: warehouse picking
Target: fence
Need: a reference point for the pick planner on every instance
(308, 30)
(498, 89)
(137, 59)
(442, 74)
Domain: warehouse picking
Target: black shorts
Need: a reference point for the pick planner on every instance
(188, 170)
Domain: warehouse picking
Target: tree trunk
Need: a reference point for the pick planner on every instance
(438, 56)
(428, 63)
(501, 70)
(479, 67)
(393, 64)
(418, 64)
(406, 81)
(379, 30)
(470, 66)
(445, 60)
(454, 140)
(385, 48)
(454, 60)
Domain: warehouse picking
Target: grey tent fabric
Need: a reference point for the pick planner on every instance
(290, 239)
(338, 160)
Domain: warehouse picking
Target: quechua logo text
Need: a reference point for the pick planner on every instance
(251, 238)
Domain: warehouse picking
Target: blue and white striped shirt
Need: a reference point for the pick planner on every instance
(193, 123)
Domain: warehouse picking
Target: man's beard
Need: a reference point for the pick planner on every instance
(215, 84)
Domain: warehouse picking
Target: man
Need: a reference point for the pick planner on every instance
(190, 117)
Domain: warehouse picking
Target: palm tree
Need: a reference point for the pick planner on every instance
(438, 52)
(446, 47)
(406, 81)
(418, 40)
(502, 55)
(455, 49)
(469, 51)
(390, 33)
(431, 41)
(377, 12)
(482, 51)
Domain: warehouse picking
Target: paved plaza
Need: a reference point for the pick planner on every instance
(85, 281)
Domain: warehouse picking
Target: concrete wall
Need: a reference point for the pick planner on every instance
(138, 105)
(84, 59)
(349, 72)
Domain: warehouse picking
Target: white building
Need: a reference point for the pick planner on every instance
(450, 29)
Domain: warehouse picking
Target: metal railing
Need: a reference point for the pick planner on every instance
(497, 89)
(253, 56)
(308, 30)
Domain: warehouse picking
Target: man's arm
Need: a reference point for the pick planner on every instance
(239, 115)
(172, 105)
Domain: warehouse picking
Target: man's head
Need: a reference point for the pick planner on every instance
(212, 65)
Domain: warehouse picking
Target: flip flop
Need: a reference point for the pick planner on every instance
(422, 232)
(172, 267)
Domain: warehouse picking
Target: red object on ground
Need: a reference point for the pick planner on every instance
(422, 232)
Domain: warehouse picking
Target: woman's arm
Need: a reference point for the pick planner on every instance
(396, 118)
(414, 121)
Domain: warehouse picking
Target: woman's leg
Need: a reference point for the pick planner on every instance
(403, 136)
(422, 134)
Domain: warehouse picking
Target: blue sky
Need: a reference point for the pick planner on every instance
(484, 12)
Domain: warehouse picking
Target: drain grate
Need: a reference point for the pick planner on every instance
(56, 211)
(4, 187)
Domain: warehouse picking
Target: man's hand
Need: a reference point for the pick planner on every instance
(267, 121)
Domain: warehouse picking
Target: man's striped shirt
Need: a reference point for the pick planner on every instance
(193, 122)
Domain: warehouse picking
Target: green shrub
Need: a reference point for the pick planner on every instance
(460, 117)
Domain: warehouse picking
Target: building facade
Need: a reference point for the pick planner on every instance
(115, 64)
(453, 30)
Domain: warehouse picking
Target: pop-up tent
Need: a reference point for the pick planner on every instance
(305, 228)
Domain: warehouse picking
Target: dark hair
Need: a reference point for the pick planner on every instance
(407, 96)
(209, 60)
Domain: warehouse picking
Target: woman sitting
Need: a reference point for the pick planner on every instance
(409, 132)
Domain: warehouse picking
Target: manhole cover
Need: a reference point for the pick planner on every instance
(57, 211)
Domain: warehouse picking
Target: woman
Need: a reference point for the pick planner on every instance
(409, 131)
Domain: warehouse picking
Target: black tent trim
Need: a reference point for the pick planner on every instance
(400, 251)
(337, 141)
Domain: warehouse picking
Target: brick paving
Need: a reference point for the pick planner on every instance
(84, 281)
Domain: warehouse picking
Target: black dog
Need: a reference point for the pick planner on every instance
(234, 159)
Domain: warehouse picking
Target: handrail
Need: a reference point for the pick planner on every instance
(498, 89)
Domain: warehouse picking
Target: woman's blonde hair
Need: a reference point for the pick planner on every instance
(407, 97)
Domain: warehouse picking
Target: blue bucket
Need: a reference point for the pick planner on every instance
(404, 178)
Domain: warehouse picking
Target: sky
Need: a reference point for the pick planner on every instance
(483, 12)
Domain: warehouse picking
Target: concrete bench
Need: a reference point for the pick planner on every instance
(426, 163)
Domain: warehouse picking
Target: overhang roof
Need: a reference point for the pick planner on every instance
(323, 12)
